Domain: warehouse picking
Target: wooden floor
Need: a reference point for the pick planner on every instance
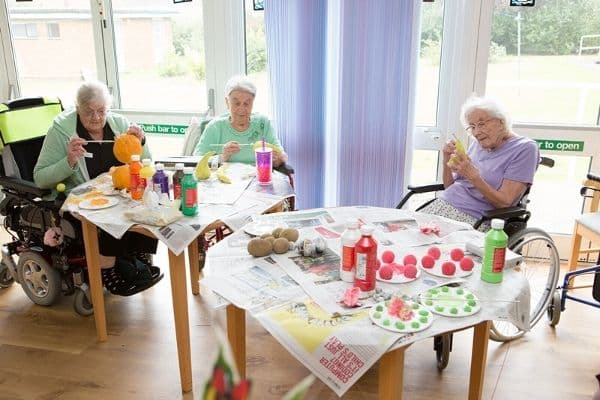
(52, 353)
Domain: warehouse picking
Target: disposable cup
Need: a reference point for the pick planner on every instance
(264, 165)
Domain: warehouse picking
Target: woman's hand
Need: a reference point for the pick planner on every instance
(75, 150)
(448, 150)
(136, 131)
(462, 165)
(229, 149)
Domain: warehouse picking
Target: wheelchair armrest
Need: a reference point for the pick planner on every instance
(432, 187)
(285, 169)
(22, 186)
(504, 213)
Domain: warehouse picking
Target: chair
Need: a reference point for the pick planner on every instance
(540, 262)
(44, 271)
(587, 226)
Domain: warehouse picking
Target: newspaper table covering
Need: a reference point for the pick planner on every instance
(248, 200)
(297, 298)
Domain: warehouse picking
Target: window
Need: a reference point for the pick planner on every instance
(53, 30)
(24, 31)
(52, 68)
(168, 72)
(256, 57)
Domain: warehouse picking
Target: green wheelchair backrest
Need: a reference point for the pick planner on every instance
(23, 125)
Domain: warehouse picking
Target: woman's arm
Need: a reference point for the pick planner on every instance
(447, 151)
(52, 165)
(505, 196)
(281, 157)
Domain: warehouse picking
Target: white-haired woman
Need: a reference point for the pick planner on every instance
(239, 128)
(495, 171)
(62, 160)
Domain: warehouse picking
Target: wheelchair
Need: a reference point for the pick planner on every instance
(44, 270)
(540, 263)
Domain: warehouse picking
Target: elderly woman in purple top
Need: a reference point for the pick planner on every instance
(495, 172)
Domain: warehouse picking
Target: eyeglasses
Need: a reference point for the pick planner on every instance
(88, 112)
(480, 125)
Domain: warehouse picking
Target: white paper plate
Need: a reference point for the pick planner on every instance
(89, 204)
(422, 318)
(451, 301)
(258, 228)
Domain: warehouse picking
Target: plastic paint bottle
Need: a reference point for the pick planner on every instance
(177, 177)
(494, 253)
(366, 259)
(135, 186)
(189, 192)
(348, 260)
(146, 173)
(160, 180)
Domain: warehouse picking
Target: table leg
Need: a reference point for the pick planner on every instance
(194, 261)
(391, 374)
(92, 256)
(182, 324)
(481, 336)
(236, 332)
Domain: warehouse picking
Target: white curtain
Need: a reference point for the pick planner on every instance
(341, 74)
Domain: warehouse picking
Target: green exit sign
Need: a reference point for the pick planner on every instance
(164, 129)
(560, 145)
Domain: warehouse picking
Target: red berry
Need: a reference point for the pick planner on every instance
(466, 264)
(398, 268)
(427, 261)
(386, 272)
(410, 259)
(377, 264)
(410, 271)
(434, 252)
(448, 268)
(388, 256)
(457, 254)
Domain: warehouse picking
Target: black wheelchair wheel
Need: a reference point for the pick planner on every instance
(442, 344)
(81, 304)
(39, 280)
(540, 266)
(6, 279)
(554, 308)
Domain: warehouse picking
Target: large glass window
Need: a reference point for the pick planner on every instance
(428, 75)
(160, 55)
(49, 65)
(256, 57)
(537, 65)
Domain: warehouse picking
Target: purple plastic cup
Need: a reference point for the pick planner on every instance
(264, 165)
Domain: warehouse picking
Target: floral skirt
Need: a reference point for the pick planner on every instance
(444, 209)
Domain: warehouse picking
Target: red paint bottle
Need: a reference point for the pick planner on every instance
(365, 252)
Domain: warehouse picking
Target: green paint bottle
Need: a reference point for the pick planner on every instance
(494, 253)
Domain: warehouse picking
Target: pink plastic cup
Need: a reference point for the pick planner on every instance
(264, 165)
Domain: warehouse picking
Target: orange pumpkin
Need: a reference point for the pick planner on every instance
(121, 177)
(125, 146)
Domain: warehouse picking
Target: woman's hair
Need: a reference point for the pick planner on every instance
(490, 106)
(240, 82)
(93, 90)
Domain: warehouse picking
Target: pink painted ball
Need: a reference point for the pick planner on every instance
(427, 261)
(448, 268)
(386, 272)
(410, 259)
(410, 271)
(466, 264)
(388, 256)
(377, 264)
(434, 252)
(457, 254)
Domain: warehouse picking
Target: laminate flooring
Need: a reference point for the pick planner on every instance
(52, 353)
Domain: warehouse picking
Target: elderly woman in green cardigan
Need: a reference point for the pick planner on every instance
(233, 134)
(63, 160)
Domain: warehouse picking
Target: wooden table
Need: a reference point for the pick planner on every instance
(178, 288)
(391, 364)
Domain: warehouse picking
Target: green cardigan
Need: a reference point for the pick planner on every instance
(52, 166)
